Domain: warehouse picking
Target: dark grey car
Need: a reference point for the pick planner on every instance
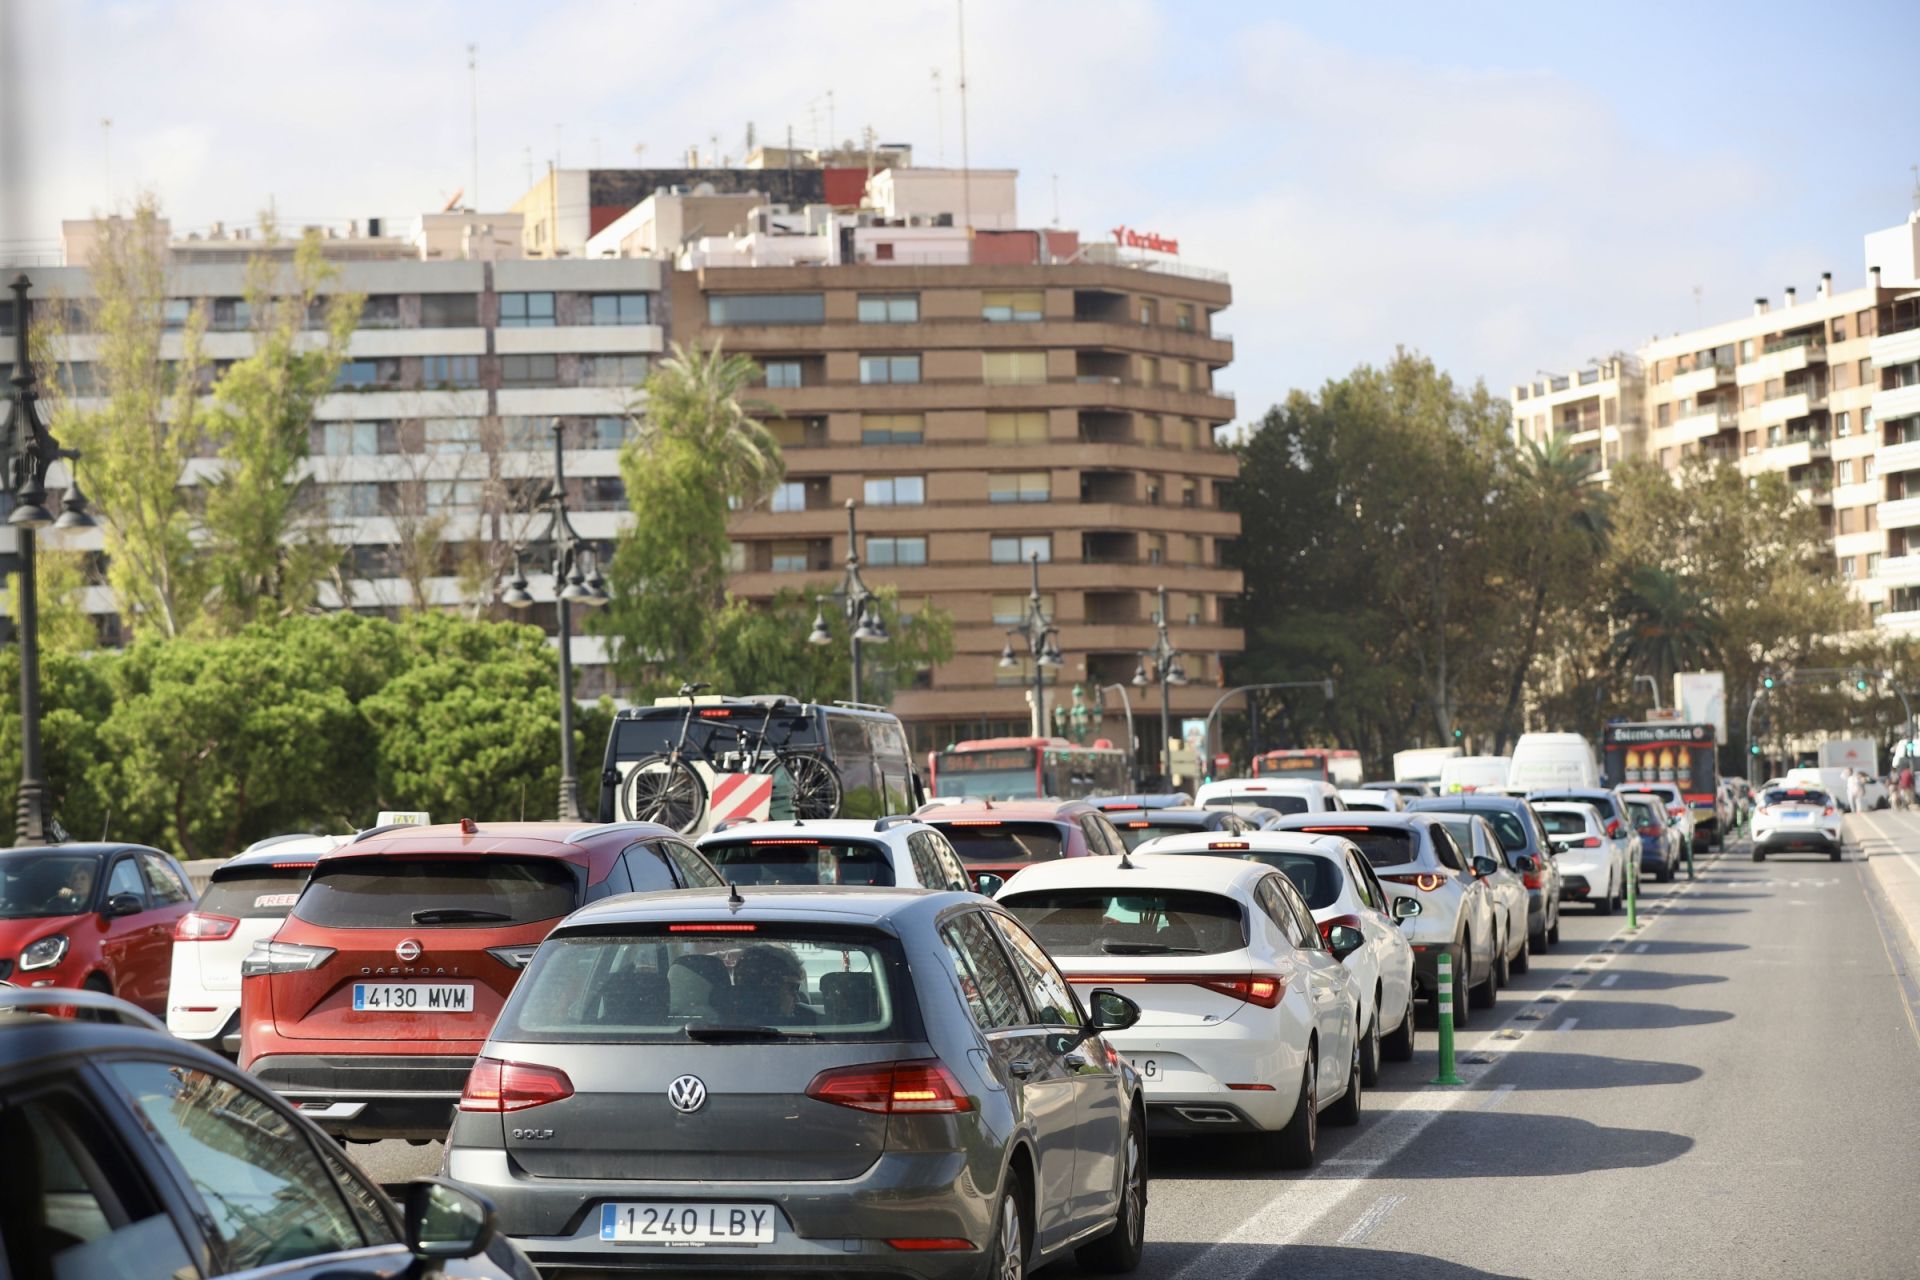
(805, 1079)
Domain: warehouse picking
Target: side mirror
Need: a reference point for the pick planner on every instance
(445, 1220)
(1343, 940)
(1526, 864)
(1484, 866)
(986, 883)
(123, 904)
(1406, 908)
(1112, 1011)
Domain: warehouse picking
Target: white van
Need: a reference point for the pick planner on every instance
(1470, 773)
(1556, 760)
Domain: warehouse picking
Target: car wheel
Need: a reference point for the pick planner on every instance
(1759, 855)
(1553, 929)
(1346, 1112)
(1118, 1252)
(1007, 1260)
(1604, 906)
(1523, 959)
(1294, 1145)
(1502, 971)
(1370, 1047)
(1834, 854)
(1398, 1046)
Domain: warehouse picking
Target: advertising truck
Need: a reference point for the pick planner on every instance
(1668, 751)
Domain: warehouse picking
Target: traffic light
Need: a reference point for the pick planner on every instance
(1860, 683)
(1458, 734)
(1766, 682)
(1754, 749)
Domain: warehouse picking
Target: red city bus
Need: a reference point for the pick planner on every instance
(1027, 768)
(1341, 768)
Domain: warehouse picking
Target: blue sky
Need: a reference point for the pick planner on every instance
(1507, 187)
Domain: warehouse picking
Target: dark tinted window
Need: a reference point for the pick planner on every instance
(694, 870)
(1646, 813)
(1795, 795)
(1507, 826)
(428, 892)
(1461, 827)
(1130, 922)
(766, 308)
(1279, 804)
(1047, 990)
(1603, 803)
(986, 976)
(714, 730)
(164, 884)
(254, 893)
(985, 840)
(1384, 846)
(34, 883)
(1137, 831)
(797, 860)
(1317, 879)
(1445, 848)
(1559, 822)
(1309, 932)
(647, 868)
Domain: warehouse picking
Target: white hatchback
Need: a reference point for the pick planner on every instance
(1592, 867)
(896, 851)
(1343, 892)
(1249, 1023)
(246, 900)
(1286, 795)
(1372, 800)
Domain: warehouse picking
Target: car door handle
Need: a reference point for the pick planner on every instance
(1022, 1067)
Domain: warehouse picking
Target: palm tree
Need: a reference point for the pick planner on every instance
(1667, 625)
(695, 395)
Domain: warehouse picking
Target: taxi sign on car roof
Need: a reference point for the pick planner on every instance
(403, 818)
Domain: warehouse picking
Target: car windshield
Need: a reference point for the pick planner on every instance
(990, 784)
(1384, 846)
(254, 893)
(800, 860)
(1265, 800)
(1129, 921)
(1794, 796)
(990, 840)
(1138, 831)
(1562, 822)
(741, 982)
(437, 892)
(1646, 813)
(35, 883)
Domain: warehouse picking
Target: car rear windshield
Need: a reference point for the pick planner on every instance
(1646, 812)
(1266, 800)
(981, 840)
(1384, 846)
(1559, 822)
(799, 860)
(254, 893)
(1602, 803)
(437, 892)
(1794, 795)
(1507, 828)
(1138, 831)
(740, 983)
(1319, 880)
(1130, 922)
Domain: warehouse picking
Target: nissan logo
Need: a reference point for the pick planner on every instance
(687, 1094)
(408, 950)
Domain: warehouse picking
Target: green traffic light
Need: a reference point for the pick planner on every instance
(1755, 748)
(1767, 682)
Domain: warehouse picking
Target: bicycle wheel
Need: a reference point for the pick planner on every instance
(816, 787)
(664, 790)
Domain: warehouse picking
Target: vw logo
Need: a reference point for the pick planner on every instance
(408, 950)
(687, 1094)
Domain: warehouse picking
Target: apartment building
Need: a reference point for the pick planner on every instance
(1596, 412)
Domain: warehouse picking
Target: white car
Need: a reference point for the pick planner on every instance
(1796, 817)
(1287, 795)
(1342, 891)
(1592, 868)
(896, 851)
(1674, 802)
(1249, 1024)
(1372, 799)
(246, 900)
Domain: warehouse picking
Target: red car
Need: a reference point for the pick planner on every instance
(368, 1007)
(91, 915)
(997, 838)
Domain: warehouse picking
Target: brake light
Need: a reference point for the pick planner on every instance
(974, 822)
(1591, 842)
(1650, 831)
(937, 1244)
(1138, 826)
(497, 1085)
(786, 840)
(1534, 879)
(281, 866)
(918, 1087)
(1336, 922)
(1425, 881)
(1613, 826)
(717, 927)
(1827, 812)
(196, 926)
(1229, 844)
(1263, 989)
(715, 714)
(1334, 831)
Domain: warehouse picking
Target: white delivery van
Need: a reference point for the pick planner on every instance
(1422, 764)
(1470, 773)
(1556, 760)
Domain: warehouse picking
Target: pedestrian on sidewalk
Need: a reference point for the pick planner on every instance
(1904, 791)
(1856, 790)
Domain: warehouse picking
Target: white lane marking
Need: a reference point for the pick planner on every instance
(1568, 1024)
(1640, 949)
(1610, 979)
(1495, 1098)
(1370, 1221)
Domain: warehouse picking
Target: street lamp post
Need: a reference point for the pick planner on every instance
(1168, 671)
(576, 580)
(864, 624)
(30, 452)
(1043, 649)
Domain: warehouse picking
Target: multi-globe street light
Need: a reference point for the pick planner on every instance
(1166, 671)
(577, 581)
(864, 624)
(1043, 649)
(29, 449)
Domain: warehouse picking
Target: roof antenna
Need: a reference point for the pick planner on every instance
(106, 824)
(734, 900)
(1126, 860)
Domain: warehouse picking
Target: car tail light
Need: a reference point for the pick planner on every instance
(514, 957)
(498, 1085)
(720, 926)
(1591, 842)
(1613, 826)
(199, 926)
(1650, 831)
(1425, 881)
(282, 957)
(1327, 927)
(974, 822)
(930, 1244)
(1229, 844)
(1263, 989)
(1534, 879)
(918, 1087)
(1827, 812)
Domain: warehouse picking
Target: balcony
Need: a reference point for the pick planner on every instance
(1709, 421)
(1796, 450)
(1900, 513)
(1898, 402)
(1902, 622)
(1898, 571)
(1782, 359)
(1902, 347)
(1701, 380)
(1788, 407)
(1899, 457)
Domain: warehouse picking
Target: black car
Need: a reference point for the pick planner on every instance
(1137, 826)
(1521, 837)
(130, 1153)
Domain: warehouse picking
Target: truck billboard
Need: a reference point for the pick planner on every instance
(1682, 754)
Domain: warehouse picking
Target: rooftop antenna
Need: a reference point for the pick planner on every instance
(833, 137)
(473, 120)
(940, 117)
(966, 168)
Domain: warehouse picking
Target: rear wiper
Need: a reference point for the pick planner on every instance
(448, 915)
(1149, 949)
(718, 1035)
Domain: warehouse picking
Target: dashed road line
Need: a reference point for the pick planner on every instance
(1499, 1095)
(1610, 979)
(1369, 1222)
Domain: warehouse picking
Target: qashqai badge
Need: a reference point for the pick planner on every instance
(687, 1094)
(408, 950)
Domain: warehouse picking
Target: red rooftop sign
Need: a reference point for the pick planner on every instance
(1128, 238)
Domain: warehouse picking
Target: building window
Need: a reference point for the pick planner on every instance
(1873, 563)
(791, 495)
(1149, 311)
(736, 557)
(1007, 305)
(900, 308)
(353, 501)
(1017, 428)
(230, 315)
(783, 373)
(349, 439)
(790, 557)
(526, 311)
(527, 433)
(451, 371)
(1871, 466)
(1840, 329)
(1842, 423)
(451, 435)
(457, 495)
(1020, 549)
(1003, 368)
(766, 308)
(874, 369)
(380, 311)
(529, 371)
(790, 432)
(613, 370)
(621, 308)
(367, 375)
(1183, 317)
(449, 310)
(1009, 610)
(896, 491)
(892, 428)
(896, 550)
(1019, 486)
(607, 433)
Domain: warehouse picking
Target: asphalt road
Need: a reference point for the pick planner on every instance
(1733, 1090)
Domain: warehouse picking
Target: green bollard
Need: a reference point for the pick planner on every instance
(1723, 844)
(1633, 892)
(1449, 1073)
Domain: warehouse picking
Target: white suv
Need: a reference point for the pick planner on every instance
(1286, 795)
(898, 851)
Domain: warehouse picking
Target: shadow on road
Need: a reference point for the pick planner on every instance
(1534, 1070)
(1677, 948)
(1656, 980)
(1639, 1015)
(1509, 1144)
(1707, 911)
(1295, 1262)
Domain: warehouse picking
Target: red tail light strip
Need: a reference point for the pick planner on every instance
(496, 1085)
(204, 926)
(716, 927)
(1263, 989)
(921, 1086)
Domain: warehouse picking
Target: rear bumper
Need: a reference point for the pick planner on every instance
(1194, 1071)
(218, 1030)
(368, 1097)
(824, 1228)
(1782, 840)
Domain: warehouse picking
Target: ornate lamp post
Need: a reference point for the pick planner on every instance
(1167, 671)
(1043, 649)
(30, 452)
(576, 580)
(864, 624)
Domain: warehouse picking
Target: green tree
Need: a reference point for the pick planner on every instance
(61, 577)
(76, 697)
(759, 647)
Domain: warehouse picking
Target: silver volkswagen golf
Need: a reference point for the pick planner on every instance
(813, 1080)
